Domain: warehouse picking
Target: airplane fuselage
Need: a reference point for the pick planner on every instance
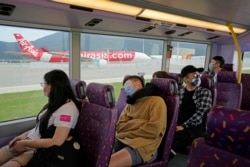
(104, 57)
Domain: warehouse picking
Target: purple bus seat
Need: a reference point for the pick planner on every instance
(177, 78)
(229, 129)
(79, 89)
(245, 81)
(207, 82)
(227, 92)
(227, 140)
(203, 155)
(167, 89)
(96, 124)
(121, 101)
(228, 67)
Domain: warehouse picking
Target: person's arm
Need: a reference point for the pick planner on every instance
(20, 137)
(63, 127)
(60, 135)
(123, 118)
(205, 101)
(156, 123)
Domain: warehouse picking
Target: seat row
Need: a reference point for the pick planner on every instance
(227, 141)
(228, 129)
(96, 122)
(226, 91)
(99, 113)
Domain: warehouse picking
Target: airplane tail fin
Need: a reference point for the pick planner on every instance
(26, 46)
(44, 49)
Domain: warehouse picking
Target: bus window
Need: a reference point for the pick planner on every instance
(246, 62)
(186, 53)
(26, 55)
(113, 57)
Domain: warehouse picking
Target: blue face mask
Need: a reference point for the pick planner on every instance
(196, 82)
(129, 88)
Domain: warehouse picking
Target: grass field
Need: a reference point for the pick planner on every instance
(26, 104)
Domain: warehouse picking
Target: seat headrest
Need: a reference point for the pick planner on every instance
(207, 81)
(101, 94)
(227, 77)
(166, 86)
(79, 88)
(228, 67)
(176, 77)
(229, 129)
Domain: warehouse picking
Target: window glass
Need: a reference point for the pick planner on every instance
(26, 54)
(113, 57)
(246, 62)
(185, 53)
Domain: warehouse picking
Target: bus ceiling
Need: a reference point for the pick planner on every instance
(52, 14)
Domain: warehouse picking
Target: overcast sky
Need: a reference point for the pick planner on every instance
(7, 32)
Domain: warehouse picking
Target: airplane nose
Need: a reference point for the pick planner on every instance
(144, 56)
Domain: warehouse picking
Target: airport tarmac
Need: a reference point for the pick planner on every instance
(16, 77)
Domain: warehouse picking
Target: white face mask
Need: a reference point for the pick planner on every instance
(211, 67)
(129, 88)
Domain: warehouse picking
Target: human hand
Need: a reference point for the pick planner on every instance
(13, 141)
(179, 128)
(17, 146)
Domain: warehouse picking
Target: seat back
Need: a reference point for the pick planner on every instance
(177, 78)
(229, 129)
(227, 142)
(79, 90)
(228, 67)
(96, 124)
(167, 89)
(121, 101)
(207, 82)
(202, 154)
(245, 80)
(227, 92)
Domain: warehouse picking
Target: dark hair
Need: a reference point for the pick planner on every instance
(60, 92)
(189, 69)
(220, 60)
(160, 74)
(140, 78)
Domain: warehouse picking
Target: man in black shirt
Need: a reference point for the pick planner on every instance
(195, 101)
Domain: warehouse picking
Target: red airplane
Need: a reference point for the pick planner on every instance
(29, 50)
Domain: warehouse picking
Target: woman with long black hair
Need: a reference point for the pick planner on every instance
(60, 112)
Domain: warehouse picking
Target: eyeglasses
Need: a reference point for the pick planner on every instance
(195, 76)
(43, 84)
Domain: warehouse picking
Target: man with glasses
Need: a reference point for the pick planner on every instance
(195, 101)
